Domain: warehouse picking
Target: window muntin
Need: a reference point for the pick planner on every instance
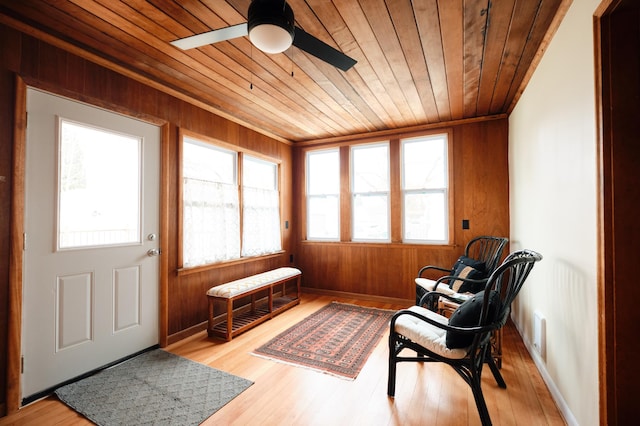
(424, 189)
(260, 207)
(370, 192)
(97, 207)
(323, 195)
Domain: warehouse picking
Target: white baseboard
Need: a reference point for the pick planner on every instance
(553, 389)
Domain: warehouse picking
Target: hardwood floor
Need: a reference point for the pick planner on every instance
(286, 395)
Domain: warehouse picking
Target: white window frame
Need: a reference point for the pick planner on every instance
(355, 194)
(89, 238)
(189, 260)
(310, 196)
(440, 190)
(238, 155)
(269, 218)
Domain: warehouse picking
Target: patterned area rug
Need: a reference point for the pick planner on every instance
(156, 387)
(337, 339)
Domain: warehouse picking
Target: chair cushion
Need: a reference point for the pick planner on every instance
(243, 285)
(467, 271)
(429, 285)
(426, 335)
(465, 267)
(467, 315)
(468, 261)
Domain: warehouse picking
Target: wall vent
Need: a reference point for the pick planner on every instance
(540, 334)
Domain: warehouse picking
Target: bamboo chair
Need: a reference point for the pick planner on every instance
(462, 341)
(481, 257)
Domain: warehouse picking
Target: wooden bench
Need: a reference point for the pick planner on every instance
(251, 286)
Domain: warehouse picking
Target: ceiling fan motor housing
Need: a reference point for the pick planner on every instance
(269, 23)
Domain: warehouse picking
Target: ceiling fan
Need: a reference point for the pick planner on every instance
(270, 27)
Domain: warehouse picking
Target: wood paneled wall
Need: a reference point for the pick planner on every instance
(480, 194)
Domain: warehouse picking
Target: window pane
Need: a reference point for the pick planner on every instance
(371, 217)
(323, 220)
(424, 185)
(98, 207)
(323, 172)
(424, 217)
(370, 189)
(424, 163)
(258, 173)
(260, 208)
(211, 222)
(370, 168)
(323, 195)
(211, 208)
(202, 161)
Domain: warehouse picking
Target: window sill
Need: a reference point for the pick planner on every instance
(388, 245)
(226, 263)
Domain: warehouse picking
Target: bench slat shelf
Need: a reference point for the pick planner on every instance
(250, 286)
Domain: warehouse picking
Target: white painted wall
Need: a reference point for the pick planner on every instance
(553, 202)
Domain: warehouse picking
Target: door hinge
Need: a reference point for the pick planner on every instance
(22, 365)
(24, 242)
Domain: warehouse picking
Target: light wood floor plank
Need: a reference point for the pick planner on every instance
(286, 395)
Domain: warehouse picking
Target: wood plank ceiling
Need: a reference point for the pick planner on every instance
(420, 62)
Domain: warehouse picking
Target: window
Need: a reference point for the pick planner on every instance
(411, 174)
(370, 192)
(97, 207)
(323, 195)
(212, 227)
(424, 189)
(210, 215)
(260, 207)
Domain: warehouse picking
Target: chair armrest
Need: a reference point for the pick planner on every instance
(437, 268)
(458, 298)
(449, 278)
(468, 330)
(430, 299)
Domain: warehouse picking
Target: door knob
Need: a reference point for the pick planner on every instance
(153, 252)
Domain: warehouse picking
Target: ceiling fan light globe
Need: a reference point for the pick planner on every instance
(270, 38)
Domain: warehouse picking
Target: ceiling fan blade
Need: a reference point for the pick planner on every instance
(211, 37)
(321, 50)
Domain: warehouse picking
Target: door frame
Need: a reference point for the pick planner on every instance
(14, 332)
(616, 257)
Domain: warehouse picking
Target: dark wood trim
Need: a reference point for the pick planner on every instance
(358, 296)
(14, 344)
(187, 332)
(616, 78)
(345, 225)
(165, 214)
(603, 352)
(395, 190)
(402, 133)
(451, 184)
(563, 8)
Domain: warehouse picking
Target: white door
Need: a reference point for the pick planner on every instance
(91, 239)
